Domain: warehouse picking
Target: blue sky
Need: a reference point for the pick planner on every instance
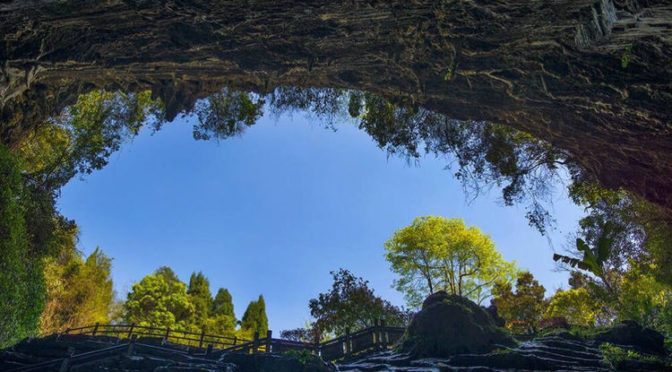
(273, 211)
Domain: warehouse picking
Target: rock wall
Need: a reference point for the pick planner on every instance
(590, 76)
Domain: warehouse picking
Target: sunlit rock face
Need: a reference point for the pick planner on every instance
(590, 76)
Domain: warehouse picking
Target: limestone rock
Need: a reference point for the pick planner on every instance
(633, 335)
(450, 324)
(589, 76)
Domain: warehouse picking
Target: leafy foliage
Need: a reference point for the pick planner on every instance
(523, 307)
(21, 280)
(623, 228)
(593, 258)
(301, 334)
(163, 300)
(613, 355)
(78, 141)
(436, 253)
(644, 299)
(226, 114)
(84, 135)
(158, 301)
(351, 304)
(578, 306)
(304, 357)
(619, 234)
(79, 291)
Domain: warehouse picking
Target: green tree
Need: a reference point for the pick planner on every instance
(21, 277)
(79, 140)
(79, 291)
(255, 319)
(644, 299)
(578, 306)
(436, 253)
(223, 303)
(200, 296)
(158, 301)
(223, 318)
(226, 114)
(351, 304)
(84, 135)
(521, 310)
(167, 274)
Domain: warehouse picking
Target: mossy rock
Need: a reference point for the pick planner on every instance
(449, 325)
(631, 334)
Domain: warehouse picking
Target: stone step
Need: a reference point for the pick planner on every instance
(568, 345)
(560, 352)
(593, 362)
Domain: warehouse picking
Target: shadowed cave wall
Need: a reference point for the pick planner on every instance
(592, 77)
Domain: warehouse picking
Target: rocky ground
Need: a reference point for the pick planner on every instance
(561, 352)
(448, 334)
(558, 352)
(102, 353)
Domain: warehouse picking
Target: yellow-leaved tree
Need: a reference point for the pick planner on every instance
(578, 305)
(438, 253)
(79, 291)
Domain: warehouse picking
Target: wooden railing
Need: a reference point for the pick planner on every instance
(126, 331)
(378, 337)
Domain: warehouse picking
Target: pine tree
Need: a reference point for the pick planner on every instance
(200, 296)
(255, 319)
(222, 320)
(223, 303)
(167, 274)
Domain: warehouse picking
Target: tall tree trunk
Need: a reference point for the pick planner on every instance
(590, 76)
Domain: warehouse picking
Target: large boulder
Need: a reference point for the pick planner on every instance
(449, 325)
(634, 336)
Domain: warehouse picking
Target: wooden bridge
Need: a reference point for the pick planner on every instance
(377, 337)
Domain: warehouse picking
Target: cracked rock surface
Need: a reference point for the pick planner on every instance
(561, 352)
(592, 77)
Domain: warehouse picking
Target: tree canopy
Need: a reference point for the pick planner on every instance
(163, 300)
(156, 301)
(351, 304)
(521, 310)
(79, 291)
(437, 253)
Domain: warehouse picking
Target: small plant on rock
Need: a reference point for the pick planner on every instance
(303, 356)
(615, 355)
